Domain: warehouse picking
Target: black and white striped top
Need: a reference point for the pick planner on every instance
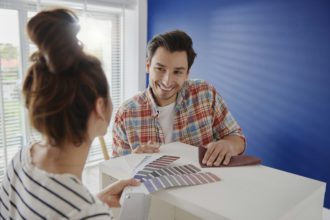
(30, 193)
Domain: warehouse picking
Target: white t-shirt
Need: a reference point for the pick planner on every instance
(30, 193)
(166, 119)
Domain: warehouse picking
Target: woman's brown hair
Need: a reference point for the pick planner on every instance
(63, 83)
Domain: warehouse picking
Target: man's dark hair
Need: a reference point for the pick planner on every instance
(172, 41)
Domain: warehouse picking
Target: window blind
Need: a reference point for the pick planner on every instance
(11, 113)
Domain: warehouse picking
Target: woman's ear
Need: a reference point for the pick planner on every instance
(100, 108)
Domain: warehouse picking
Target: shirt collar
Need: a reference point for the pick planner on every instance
(182, 94)
(150, 97)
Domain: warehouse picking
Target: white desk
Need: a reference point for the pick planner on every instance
(250, 192)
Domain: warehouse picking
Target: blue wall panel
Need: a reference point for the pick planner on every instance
(270, 60)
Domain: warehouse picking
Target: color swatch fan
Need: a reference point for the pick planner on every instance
(158, 174)
(155, 165)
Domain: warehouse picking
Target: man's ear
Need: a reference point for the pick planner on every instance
(147, 65)
(187, 76)
(100, 108)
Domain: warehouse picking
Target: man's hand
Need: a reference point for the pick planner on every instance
(111, 194)
(222, 151)
(148, 148)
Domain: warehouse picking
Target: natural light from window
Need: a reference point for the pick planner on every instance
(93, 32)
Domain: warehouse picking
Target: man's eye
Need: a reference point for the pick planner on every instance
(177, 72)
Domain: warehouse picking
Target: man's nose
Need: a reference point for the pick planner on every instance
(167, 80)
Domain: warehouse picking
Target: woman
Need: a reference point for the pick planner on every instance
(67, 97)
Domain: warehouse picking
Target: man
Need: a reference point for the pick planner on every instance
(174, 108)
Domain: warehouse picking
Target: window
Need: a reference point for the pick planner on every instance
(11, 113)
(101, 34)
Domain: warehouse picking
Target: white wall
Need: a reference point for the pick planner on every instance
(135, 33)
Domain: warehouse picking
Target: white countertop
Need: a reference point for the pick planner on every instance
(249, 192)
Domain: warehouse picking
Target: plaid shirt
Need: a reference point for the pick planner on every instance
(201, 117)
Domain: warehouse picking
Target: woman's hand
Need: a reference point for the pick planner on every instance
(111, 194)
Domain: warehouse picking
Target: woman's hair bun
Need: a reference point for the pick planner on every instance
(54, 32)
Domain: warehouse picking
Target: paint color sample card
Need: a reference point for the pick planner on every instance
(162, 162)
(175, 170)
(165, 182)
(157, 175)
(141, 164)
(157, 164)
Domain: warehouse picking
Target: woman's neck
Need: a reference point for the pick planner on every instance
(59, 160)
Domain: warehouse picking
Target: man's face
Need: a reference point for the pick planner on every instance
(168, 72)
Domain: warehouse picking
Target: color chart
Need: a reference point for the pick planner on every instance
(157, 174)
(176, 170)
(164, 182)
(157, 164)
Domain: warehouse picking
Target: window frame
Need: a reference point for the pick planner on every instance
(23, 8)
